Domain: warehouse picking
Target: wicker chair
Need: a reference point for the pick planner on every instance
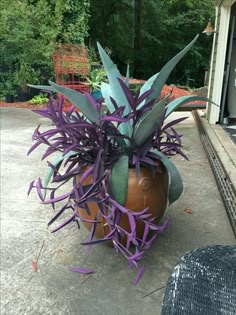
(203, 282)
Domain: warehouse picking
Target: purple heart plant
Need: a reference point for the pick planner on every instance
(101, 145)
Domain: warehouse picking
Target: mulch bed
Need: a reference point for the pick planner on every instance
(22, 105)
(175, 93)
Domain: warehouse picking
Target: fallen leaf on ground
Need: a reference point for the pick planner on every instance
(34, 266)
(188, 210)
(34, 263)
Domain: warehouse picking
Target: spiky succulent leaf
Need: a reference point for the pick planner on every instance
(42, 87)
(127, 76)
(106, 93)
(172, 106)
(113, 74)
(146, 87)
(148, 123)
(166, 70)
(176, 183)
(119, 179)
(79, 100)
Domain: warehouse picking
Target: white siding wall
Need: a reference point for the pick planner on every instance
(218, 58)
(218, 68)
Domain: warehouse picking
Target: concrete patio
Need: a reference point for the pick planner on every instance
(54, 289)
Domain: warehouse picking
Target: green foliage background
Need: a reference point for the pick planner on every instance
(166, 27)
(29, 29)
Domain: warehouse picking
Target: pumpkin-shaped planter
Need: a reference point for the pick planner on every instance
(146, 190)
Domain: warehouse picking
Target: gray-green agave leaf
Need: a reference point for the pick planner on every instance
(79, 100)
(172, 106)
(147, 86)
(127, 76)
(106, 94)
(42, 87)
(119, 179)
(148, 123)
(163, 75)
(176, 183)
(113, 74)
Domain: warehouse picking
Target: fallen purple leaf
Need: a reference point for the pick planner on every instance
(139, 275)
(81, 270)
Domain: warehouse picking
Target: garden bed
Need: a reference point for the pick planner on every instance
(174, 90)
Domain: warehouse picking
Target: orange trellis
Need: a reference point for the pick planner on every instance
(71, 66)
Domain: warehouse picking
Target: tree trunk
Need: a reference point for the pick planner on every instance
(137, 37)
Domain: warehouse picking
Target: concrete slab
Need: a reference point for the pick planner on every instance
(56, 290)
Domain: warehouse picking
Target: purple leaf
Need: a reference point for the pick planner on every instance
(31, 186)
(114, 103)
(139, 213)
(52, 195)
(174, 122)
(145, 216)
(82, 270)
(97, 165)
(64, 223)
(148, 243)
(128, 94)
(182, 153)
(145, 234)
(97, 241)
(34, 146)
(93, 229)
(120, 207)
(148, 161)
(62, 197)
(58, 215)
(143, 97)
(132, 222)
(39, 187)
(111, 233)
(113, 118)
(139, 275)
(90, 221)
(72, 108)
(137, 256)
(86, 174)
(152, 155)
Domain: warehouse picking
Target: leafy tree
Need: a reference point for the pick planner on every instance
(30, 28)
(111, 23)
(164, 28)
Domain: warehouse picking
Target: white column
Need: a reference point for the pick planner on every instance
(208, 108)
(220, 64)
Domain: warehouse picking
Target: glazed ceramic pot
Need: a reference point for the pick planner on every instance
(144, 191)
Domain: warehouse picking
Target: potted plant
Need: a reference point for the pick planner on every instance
(24, 75)
(119, 161)
(96, 77)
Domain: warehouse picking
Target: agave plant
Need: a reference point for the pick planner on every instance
(102, 145)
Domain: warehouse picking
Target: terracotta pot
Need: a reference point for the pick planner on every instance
(143, 191)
